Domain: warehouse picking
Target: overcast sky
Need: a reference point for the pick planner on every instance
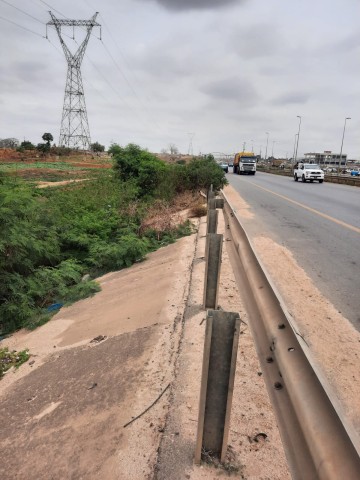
(219, 72)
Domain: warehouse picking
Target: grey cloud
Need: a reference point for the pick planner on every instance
(23, 75)
(33, 71)
(255, 41)
(196, 4)
(288, 98)
(233, 89)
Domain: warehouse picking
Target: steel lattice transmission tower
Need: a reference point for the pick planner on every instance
(74, 131)
(190, 149)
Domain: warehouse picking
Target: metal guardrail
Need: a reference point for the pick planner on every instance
(329, 177)
(316, 442)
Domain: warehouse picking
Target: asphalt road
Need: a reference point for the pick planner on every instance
(319, 223)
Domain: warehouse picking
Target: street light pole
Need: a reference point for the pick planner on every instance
(298, 135)
(267, 141)
(272, 151)
(342, 143)
(293, 157)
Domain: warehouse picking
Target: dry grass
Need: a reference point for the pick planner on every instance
(164, 216)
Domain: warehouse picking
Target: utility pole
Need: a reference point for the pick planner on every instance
(342, 143)
(74, 130)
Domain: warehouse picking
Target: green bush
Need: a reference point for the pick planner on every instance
(116, 255)
(200, 173)
(137, 165)
(154, 177)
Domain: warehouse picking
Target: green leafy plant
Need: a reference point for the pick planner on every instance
(12, 359)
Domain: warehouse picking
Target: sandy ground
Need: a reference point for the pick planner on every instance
(63, 413)
(43, 184)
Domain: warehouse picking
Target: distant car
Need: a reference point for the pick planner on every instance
(224, 166)
(355, 172)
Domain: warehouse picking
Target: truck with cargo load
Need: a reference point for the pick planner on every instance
(244, 162)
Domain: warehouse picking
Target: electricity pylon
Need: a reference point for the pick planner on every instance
(74, 131)
(190, 149)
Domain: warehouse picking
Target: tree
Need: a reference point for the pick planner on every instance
(96, 147)
(114, 149)
(173, 149)
(26, 145)
(9, 143)
(43, 148)
(47, 137)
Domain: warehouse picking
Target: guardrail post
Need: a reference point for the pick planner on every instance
(217, 383)
(212, 203)
(219, 203)
(212, 269)
(210, 193)
(212, 221)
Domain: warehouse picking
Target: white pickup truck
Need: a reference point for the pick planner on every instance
(308, 171)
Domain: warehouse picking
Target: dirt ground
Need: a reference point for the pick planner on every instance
(100, 363)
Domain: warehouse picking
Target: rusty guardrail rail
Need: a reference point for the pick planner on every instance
(317, 443)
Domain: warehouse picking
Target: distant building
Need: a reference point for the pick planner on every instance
(326, 158)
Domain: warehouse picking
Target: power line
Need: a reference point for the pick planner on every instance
(22, 11)
(52, 8)
(20, 26)
(153, 122)
(121, 72)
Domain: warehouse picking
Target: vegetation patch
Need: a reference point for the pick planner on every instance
(12, 359)
(52, 239)
(4, 167)
(231, 466)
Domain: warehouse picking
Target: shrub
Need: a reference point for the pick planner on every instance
(201, 173)
(134, 164)
(199, 210)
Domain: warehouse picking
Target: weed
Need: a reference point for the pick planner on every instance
(230, 466)
(12, 359)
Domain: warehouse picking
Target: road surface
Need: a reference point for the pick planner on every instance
(318, 223)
